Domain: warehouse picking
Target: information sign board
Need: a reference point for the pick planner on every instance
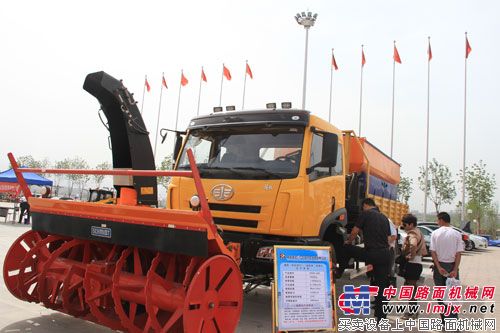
(303, 288)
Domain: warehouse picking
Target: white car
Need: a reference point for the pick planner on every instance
(478, 242)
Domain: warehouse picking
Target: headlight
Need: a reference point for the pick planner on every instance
(194, 201)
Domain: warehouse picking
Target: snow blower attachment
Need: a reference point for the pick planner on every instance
(127, 266)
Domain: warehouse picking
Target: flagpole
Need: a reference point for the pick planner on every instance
(393, 84)
(199, 94)
(221, 81)
(427, 135)
(143, 92)
(178, 101)
(244, 86)
(361, 92)
(158, 117)
(331, 88)
(465, 131)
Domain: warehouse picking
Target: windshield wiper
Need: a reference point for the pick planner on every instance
(267, 172)
(208, 168)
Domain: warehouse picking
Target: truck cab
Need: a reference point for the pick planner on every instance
(272, 177)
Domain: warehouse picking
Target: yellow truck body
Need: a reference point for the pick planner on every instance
(260, 211)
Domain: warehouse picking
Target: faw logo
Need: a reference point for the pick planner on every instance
(222, 192)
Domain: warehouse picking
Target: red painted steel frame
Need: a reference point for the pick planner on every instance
(19, 176)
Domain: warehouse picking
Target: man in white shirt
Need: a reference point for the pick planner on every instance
(446, 249)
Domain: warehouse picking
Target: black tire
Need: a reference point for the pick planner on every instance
(468, 246)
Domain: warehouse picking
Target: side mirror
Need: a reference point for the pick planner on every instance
(330, 148)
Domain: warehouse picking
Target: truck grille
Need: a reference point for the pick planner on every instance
(236, 222)
(235, 208)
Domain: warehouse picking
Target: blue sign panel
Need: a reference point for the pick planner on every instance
(303, 299)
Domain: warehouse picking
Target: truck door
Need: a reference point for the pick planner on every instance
(325, 190)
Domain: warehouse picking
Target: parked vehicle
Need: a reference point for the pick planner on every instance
(282, 176)
(471, 241)
(478, 242)
(491, 242)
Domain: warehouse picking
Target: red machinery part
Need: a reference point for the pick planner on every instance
(214, 298)
(61, 279)
(98, 285)
(24, 260)
(120, 285)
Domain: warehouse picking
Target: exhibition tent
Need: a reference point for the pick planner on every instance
(31, 178)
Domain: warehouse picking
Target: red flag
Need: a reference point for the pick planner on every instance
(249, 72)
(334, 63)
(396, 55)
(468, 49)
(163, 82)
(226, 72)
(429, 51)
(146, 83)
(184, 81)
(363, 59)
(203, 76)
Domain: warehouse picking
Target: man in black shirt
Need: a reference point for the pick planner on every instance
(376, 230)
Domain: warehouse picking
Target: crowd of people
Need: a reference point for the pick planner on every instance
(379, 234)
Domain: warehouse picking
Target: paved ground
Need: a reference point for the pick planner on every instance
(478, 268)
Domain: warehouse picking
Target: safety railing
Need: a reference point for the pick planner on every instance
(194, 173)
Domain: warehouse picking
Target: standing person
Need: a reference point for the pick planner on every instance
(376, 232)
(413, 249)
(392, 239)
(24, 208)
(446, 249)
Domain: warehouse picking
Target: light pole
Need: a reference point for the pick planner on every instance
(307, 21)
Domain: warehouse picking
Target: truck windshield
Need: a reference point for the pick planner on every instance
(246, 153)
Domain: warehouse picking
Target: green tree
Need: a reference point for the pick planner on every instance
(440, 187)
(98, 179)
(166, 164)
(75, 179)
(29, 161)
(480, 186)
(405, 189)
(79, 179)
(491, 219)
(64, 164)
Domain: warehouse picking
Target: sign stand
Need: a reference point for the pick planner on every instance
(303, 291)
